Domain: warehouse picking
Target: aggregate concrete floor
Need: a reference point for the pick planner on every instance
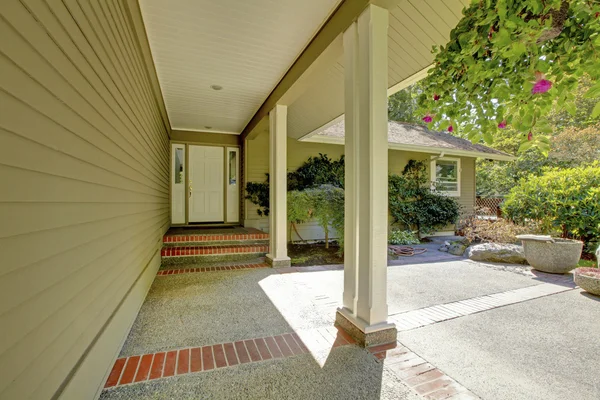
(547, 348)
(349, 373)
(540, 349)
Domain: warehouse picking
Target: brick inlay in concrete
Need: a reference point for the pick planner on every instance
(443, 312)
(211, 269)
(151, 366)
(422, 377)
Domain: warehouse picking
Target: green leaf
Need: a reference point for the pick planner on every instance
(596, 110)
(592, 92)
(487, 137)
(525, 146)
(571, 108)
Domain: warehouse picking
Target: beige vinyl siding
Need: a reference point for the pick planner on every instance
(84, 189)
(257, 165)
(205, 138)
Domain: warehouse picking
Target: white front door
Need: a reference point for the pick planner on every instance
(207, 184)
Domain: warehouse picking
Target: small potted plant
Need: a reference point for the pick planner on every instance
(588, 279)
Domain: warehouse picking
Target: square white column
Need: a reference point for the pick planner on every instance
(277, 256)
(364, 313)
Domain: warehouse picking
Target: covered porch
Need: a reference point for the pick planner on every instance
(97, 97)
(356, 54)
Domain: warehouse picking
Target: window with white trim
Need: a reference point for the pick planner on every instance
(445, 175)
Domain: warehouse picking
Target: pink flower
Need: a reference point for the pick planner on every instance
(502, 124)
(541, 84)
(428, 118)
(436, 97)
(450, 128)
(529, 136)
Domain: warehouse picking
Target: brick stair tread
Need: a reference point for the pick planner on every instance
(213, 250)
(214, 237)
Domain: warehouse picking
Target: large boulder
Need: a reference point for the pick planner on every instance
(496, 252)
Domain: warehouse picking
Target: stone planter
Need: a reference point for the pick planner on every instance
(588, 279)
(552, 255)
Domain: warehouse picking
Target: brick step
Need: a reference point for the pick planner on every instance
(217, 243)
(212, 253)
(256, 236)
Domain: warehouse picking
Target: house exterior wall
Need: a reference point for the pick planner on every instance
(205, 138)
(257, 165)
(84, 191)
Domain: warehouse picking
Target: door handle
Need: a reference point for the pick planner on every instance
(190, 189)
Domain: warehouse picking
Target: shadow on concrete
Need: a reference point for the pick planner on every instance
(589, 295)
(565, 280)
(199, 309)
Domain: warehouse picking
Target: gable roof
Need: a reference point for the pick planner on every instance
(405, 136)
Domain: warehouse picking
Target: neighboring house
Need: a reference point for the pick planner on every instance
(450, 159)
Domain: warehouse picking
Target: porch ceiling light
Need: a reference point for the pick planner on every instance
(216, 87)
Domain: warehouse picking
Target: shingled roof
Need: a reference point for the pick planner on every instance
(405, 136)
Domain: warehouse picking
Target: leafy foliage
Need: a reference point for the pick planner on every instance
(403, 105)
(568, 199)
(508, 63)
(577, 146)
(299, 207)
(574, 142)
(326, 206)
(413, 204)
(317, 171)
(258, 193)
(400, 237)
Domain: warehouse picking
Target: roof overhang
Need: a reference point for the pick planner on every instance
(417, 148)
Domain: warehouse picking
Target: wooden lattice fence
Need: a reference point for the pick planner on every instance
(488, 206)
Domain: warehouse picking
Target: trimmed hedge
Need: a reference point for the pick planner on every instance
(567, 199)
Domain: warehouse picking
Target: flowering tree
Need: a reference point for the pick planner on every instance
(509, 63)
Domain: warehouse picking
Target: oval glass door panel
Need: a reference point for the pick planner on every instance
(178, 184)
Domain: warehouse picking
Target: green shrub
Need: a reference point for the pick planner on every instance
(327, 208)
(317, 171)
(567, 199)
(413, 204)
(400, 237)
(258, 193)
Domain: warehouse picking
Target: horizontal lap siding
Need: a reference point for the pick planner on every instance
(84, 189)
(257, 165)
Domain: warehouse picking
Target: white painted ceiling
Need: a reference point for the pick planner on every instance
(245, 46)
(414, 27)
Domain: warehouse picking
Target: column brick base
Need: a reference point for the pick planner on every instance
(387, 334)
(278, 262)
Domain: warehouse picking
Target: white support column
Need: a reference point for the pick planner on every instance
(277, 256)
(364, 314)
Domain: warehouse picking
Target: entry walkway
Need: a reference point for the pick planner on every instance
(268, 334)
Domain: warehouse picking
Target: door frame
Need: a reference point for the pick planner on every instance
(187, 145)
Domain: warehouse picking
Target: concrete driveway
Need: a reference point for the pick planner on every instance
(466, 330)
